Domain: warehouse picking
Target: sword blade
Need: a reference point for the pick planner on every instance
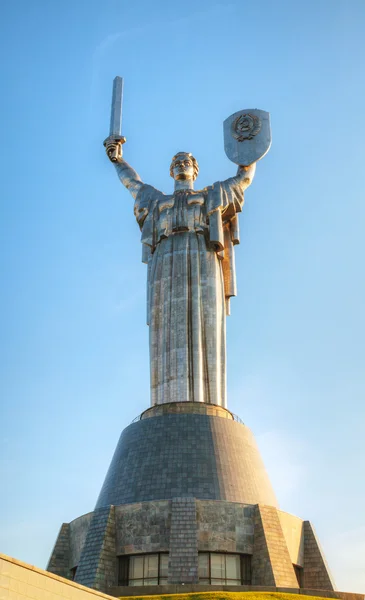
(116, 111)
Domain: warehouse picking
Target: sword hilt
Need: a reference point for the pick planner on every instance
(114, 139)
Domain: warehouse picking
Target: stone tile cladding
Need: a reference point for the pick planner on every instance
(183, 559)
(225, 527)
(98, 562)
(176, 455)
(271, 564)
(143, 527)
(316, 572)
(78, 531)
(59, 560)
(262, 573)
(182, 527)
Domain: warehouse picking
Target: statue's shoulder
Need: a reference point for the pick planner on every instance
(149, 195)
(150, 190)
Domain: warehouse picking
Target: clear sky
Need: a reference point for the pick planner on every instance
(74, 344)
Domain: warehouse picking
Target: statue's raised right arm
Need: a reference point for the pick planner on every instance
(127, 175)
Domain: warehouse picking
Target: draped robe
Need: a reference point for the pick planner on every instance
(188, 243)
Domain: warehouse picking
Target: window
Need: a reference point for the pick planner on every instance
(143, 569)
(227, 569)
(246, 569)
(73, 573)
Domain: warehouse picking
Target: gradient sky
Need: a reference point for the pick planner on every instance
(74, 345)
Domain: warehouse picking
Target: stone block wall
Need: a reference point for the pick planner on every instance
(183, 559)
(294, 536)
(184, 526)
(316, 572)
(78, 531)
(59, 562)
(98, 562)
(262, 572)
(143, 527)
(271, 563)
(225, 527)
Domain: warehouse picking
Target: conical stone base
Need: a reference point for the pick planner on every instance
(186, 479)
(186, 450)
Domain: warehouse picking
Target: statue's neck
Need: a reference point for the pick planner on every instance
(184, 184)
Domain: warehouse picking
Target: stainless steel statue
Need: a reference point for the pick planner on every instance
(188, 240)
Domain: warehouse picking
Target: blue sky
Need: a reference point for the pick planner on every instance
(74, 344)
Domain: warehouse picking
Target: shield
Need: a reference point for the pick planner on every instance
(247, 136)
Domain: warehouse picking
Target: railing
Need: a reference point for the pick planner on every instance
(237, 418)
(137, 418)
(234, 416)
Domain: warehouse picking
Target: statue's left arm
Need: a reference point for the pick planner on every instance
(227, 196)
(243, 178)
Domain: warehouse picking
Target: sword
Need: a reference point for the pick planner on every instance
(115, 131)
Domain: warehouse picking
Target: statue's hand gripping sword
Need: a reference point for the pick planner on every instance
(113, 142)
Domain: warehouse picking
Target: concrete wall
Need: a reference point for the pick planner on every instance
(20, 580)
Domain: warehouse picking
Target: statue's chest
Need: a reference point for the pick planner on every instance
(183, 211)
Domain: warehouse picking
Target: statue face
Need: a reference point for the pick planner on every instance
(183, 167)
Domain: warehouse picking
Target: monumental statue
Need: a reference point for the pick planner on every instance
(186, 499)
(188, 240)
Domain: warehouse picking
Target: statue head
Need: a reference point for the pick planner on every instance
(184, 166)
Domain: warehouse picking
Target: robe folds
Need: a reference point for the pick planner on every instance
(188, 243)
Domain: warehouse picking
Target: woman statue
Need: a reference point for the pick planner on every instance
(188, 240)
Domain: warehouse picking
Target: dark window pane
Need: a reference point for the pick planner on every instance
(123, 570)
(299, 574)
(246, 569)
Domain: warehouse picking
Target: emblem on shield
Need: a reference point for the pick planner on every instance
(247, 136)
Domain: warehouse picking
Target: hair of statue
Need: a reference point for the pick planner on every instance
(194, 161)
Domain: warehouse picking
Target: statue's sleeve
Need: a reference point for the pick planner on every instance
(224, 201)
(146, 213)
